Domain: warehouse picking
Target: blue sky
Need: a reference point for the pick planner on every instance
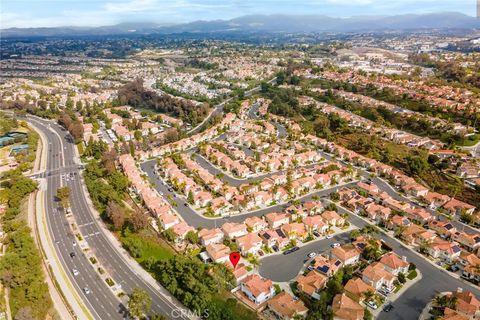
(51, 13)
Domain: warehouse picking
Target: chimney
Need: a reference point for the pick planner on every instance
(404, 258)
(459, 290)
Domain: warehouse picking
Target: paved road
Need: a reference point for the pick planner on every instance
(101, 301)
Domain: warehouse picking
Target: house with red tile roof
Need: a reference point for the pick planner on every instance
(345, 308)
(326, 266)
(356, 289)
(181, 229)
(376, 276)
(455, 206)
(444, 228)
(234, 230)
(295, 230)
(347, 254)
(333, 218)
(249, 243)
(467, 303)
(285, 307)
(419, 215)
(444, 249)
(256, 224)
(435, 200)
(218, 252)
(315, 223)
(394, 263)
(168, 220)
(471, 241)
(209, 236)
(274, 238)
(276, 219)
(311, 283)
(257, 289)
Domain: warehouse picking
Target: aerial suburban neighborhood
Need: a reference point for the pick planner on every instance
(239, 169)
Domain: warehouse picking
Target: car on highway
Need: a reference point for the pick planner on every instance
(75, 272)
(335, 245)
(86, 290)
(72, 254)
(312, 255)
(388, 307)
(372, 304)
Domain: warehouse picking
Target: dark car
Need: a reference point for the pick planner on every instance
(186, 204)
(72, 254)
(388, 307)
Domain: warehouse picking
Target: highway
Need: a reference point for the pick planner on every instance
(101, 302)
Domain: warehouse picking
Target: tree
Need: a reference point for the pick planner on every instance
(169, 235)
(192, 237)
(63, 195)
(76, 130)
(139, 303)
(416, 165)
(401, 278)
(190, 198)
(116, 214)
(139, 221)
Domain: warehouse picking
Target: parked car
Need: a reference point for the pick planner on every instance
(335, 245)
(316, 233)
(372, 304)
(260, 253)
(388, 307)
(312, 254)
(329, 236)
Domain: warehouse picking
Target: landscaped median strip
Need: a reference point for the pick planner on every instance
(41, 222)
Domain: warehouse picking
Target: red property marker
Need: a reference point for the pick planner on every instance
(234, 258)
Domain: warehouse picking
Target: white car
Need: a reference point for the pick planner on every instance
(335, 245)
(312, 254)
(86, 290)
(329, 236)
(74, 244)
(75, 272)
(372, 305)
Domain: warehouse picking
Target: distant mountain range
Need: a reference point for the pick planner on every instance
(267, 23)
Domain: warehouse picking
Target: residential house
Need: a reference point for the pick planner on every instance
(455, 206)
(256, 224)
(234, 230)
(249, 243)
(445, 250)
(311, 283)
(356, 289)
(315, 223)
(471, 241)
(275, 219)
(295, 230)
(345, 308)
(333, 218)
(347, 254)
(394, 264)
(376, 276)
(218, 252)
(257, 289)
(444, 228)
(209, 236)
(285, 307)
(326, 266)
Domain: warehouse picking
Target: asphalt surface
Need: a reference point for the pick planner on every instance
(101, 302)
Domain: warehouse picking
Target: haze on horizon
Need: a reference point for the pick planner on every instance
(55, 13)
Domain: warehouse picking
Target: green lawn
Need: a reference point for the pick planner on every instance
(146, 244)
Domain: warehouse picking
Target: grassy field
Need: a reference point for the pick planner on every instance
(145, 245)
